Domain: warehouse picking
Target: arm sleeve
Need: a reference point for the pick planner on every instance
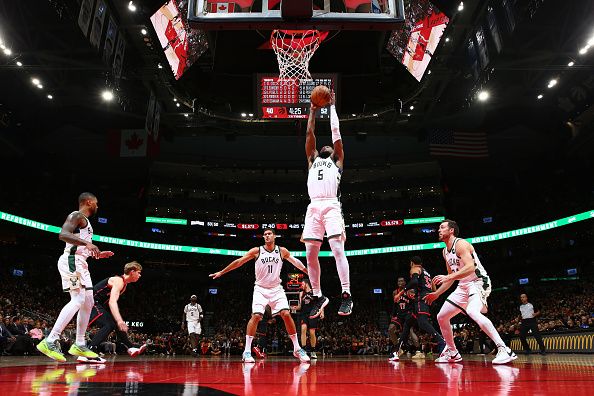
(413, 283)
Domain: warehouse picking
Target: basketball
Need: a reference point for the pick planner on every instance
(321, 96)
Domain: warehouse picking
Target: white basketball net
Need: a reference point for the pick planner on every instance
(294, 49)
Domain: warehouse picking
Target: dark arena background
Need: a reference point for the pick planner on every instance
(186, 123)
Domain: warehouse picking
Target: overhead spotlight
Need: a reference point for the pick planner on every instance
(570, 64)
(552, 83)
(539, 97)
(591, 41)
(447, 40)
(160, 66)
(354, 115)
(50, 97)
(132, 6)
(251, 114)
(375, 114)
(186, 115)
(177, 104)
(483, 96)
(175, 99)
(7, 51)
(244, 114)
(412, 107)
(583, 50)
(39, 86)
(428, 71)
(35, 81)
(143, 31)
(107, 95)
(461, 6)
(408, 115)
(19, 64)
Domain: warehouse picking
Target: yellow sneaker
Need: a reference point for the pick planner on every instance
(51, 350)
(76, 350)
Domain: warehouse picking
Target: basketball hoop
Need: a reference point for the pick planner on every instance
(294, 49)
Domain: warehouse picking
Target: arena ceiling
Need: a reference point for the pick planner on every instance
(45, 38)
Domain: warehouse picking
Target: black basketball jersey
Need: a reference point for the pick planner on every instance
(403, 305)
(102, 290)
(306, 301)
(424, 284)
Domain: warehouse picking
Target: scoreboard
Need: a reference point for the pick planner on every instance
(289, 99)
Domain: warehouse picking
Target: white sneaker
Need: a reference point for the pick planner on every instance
(394, 357)
(301, 355)
(448, 356)
(419, 355)
(247, 358)
(136, 351)
(504, 355)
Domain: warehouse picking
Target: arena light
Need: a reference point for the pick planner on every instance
(50, 97)
(40, 86)
(251, 114)
(412, 107)
(461, 6)
(539, 97)
(19, 64)
(177, 105)
(447, 40)
(7, 51)
(35, 81)
(589, 215)
(483, 96)
(160, 66)
(175, 99)
(186, 115)
(107, 95)
(132, 6)
(552, 83)
(583, 50)
(143, 32)
(570, 64)
(244, 114)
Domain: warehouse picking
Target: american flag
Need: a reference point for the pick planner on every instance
(448, 143)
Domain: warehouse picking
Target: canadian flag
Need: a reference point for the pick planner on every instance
(224, 8)
(131, 143)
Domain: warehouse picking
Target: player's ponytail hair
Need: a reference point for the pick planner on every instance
(132, 266)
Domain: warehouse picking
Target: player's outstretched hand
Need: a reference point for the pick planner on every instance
(429, 298)
(216, 275)
(123, 326)
(94, 250)
(439, 279)
(105, 254)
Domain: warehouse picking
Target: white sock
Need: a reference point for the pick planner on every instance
(248, 343)
(77, 298)
(296, 345)
(474, 312)
(342, 264)
(82, 319)
(312, 249)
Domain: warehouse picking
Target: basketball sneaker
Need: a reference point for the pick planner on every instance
(259, 354)
(301, 355)
(394, 357)
(318, 304)
(51, 350)
(314, 355)
(448, 356)
(346, 306)
(77, 350)
(247, 358)
(136, 351)
(504, 355)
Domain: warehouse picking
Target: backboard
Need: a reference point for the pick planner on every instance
(266, 15)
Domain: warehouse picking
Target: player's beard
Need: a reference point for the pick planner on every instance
(325, 154)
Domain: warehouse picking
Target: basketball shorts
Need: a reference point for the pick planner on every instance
(465, 292)
(275, 297)
(323, 216)
(399, 320)
(420, 307)
(194, 327)
(74, 272)
(304, 319)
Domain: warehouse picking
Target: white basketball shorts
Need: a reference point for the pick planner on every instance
(465, 292)
(194, 327)
(323, 216)
(74, 272)
(275, 297)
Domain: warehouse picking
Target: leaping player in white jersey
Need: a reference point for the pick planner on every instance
(470, 297)
(268, 290)
(76, 279)
(324, 213)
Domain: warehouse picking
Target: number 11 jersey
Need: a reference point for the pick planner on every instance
(268, 267)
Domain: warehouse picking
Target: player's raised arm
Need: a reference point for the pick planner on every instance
(250, 255)
(286, 255)
(336, 138)
(310, 137)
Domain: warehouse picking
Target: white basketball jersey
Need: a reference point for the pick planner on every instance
(268, 267)
(85, 234)
(193, 312)
(455, 264)
(323, 180)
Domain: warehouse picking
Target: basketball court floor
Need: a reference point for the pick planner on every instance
(568, 375)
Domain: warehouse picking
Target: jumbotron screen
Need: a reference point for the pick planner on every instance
(277, 99)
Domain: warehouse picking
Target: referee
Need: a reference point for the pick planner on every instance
(529, 323)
